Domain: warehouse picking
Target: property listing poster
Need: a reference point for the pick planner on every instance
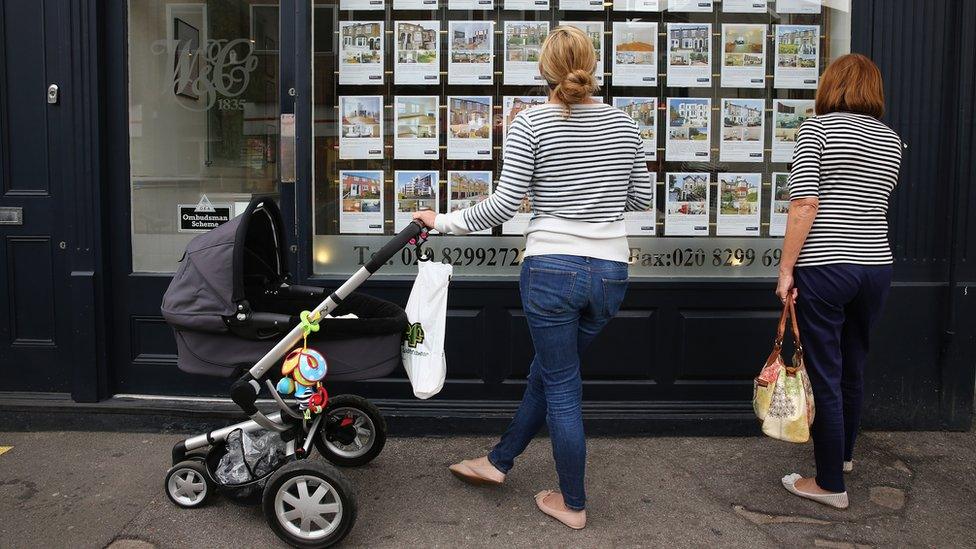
(636, 5)
(361, 52)
(743, 56)
(514, 104)
(689, 135)
(788, 114)
(418, 59)
(361, 195)
(361, 5)
(738, 204)
(594, 30)
(686, 208)
(798, 6)
(643, 223)
(689, 55)
(469, 124)
(520, 222)
(644, 111)
(415, 4)
(526, 5)
(581, 5)
(797, 56)
(634, 54)
(744, 6)
(414, 191)
(470, 4)
(690, 5)
(361, 127)
(416, 122)
(743, 128)
(523, 40)
(467, 188)
(471, 52)
(779, 206)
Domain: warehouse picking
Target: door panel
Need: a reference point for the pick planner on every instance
(34, 328)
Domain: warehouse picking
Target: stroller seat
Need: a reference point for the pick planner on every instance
(230, 301)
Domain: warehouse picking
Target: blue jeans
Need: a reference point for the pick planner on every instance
(836, 307)
(567, 301)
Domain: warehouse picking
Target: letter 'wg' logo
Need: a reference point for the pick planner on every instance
(415, 335)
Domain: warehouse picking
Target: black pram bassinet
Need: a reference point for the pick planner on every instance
(230, 302)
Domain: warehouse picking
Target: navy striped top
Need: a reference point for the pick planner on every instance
(849, 162)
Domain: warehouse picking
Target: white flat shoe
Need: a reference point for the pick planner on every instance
(837, 501)
(848, 466)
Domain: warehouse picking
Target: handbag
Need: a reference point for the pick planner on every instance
(782, 397)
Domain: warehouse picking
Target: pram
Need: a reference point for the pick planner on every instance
(232, 307)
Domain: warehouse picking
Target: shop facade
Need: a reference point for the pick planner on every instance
(126, 128)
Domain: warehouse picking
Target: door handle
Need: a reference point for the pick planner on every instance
(53, 93)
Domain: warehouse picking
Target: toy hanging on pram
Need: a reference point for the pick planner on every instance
(303, 371)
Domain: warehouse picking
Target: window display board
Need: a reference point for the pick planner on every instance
(413, 99)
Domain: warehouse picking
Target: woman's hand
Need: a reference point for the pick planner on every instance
(784, 286)
(426, 217)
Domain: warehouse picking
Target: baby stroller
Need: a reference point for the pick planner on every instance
(234, 311)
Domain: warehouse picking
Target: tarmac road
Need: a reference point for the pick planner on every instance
(96, 489)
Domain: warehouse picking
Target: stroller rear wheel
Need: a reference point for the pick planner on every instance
(309, 504)
(187, 484)
(354, 432)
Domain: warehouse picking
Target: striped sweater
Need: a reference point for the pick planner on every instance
(850, 163)
(581, 173)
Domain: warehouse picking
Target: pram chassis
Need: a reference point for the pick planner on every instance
(245, 390)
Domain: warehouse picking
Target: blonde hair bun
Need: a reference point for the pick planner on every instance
(568, 60)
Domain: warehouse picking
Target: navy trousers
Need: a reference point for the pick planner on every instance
(836, 307)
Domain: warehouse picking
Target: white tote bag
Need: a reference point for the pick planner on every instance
(423, 346)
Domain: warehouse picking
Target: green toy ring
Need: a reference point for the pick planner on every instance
(308, 326)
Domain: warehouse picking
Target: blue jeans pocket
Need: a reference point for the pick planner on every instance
(549, 291)
(614, 291)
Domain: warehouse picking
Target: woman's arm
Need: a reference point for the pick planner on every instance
(798, 222)
(804, 184)
(518, 165)
(640, 192)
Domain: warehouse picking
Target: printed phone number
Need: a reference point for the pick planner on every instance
(699, 257)
(511, 257)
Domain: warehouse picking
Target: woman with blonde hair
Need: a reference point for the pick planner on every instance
(836, 261)
(582, 164)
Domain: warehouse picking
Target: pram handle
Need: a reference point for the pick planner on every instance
(244, 392)
(393, 247)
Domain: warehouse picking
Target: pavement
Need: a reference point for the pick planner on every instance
(100, 489)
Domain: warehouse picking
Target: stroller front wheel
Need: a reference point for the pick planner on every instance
(354, 432)
(187, 484)
(309, 504)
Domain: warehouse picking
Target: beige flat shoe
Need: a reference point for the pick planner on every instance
(479, 472)
(835, 500)
(574, 519)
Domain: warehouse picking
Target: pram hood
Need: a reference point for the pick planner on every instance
(227, 270)
(209, 284)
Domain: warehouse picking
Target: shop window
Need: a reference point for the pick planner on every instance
(203, 118)
(717, 87)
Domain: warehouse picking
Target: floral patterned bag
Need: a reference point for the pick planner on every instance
(782, 397)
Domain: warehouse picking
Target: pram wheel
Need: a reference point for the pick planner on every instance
(354, 432)
(187, 484)
(309, 504)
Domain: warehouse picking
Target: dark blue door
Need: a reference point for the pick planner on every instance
(35, 318)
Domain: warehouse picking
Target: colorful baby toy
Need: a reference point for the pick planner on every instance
(304, 369)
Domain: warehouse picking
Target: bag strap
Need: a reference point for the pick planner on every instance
(789, 312)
